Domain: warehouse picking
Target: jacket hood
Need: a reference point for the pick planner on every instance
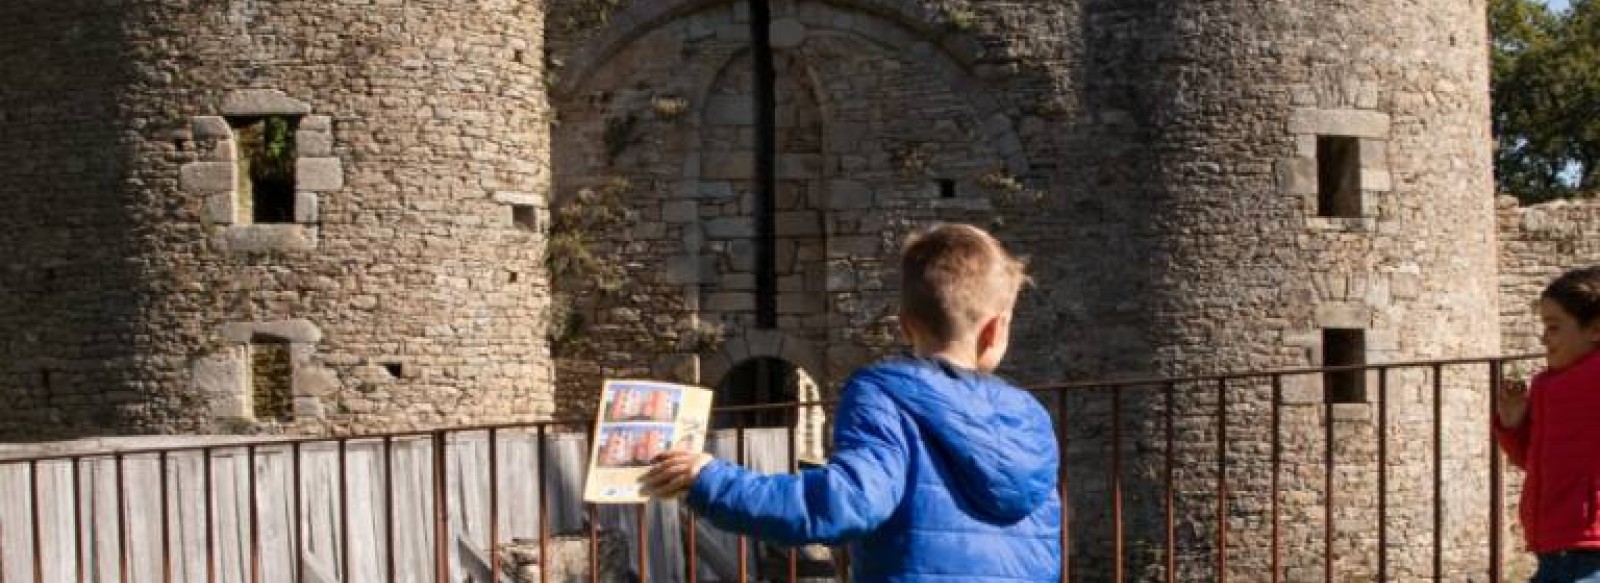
(996, 440)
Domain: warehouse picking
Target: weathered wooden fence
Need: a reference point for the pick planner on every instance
(320, 509)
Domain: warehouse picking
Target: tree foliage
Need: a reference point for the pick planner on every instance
(1545, 71)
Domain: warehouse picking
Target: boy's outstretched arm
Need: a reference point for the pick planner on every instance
(856, 491)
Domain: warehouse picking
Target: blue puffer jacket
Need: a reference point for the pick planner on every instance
(938, 474)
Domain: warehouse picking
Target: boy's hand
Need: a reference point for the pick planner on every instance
(1513, 403)
(673, 473)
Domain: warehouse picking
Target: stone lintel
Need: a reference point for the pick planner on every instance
(1340, 122)
(294, 331)
(1344, 315)
(262, 102)
(518, 198)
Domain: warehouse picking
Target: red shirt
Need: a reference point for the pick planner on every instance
(1558, 445)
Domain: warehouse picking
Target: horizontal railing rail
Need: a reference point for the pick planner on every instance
(451, 502)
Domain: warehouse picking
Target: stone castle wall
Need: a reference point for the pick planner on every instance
(1537, 244)
(1158, 163)
(408, 295)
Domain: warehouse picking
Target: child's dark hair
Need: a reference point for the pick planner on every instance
(1577, 292)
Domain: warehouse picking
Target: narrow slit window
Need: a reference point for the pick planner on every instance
(1344, 347)
(271, 395)
(947, 188)
(1338, 176)
(266, 163)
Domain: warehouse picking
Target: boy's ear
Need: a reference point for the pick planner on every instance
(989, 332)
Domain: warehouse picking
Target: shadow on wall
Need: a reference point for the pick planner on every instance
(74, 270)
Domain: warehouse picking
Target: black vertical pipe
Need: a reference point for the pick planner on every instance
(765, 164)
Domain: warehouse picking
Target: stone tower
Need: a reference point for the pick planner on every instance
(316, 216)
(271, 215)
(1201, 186)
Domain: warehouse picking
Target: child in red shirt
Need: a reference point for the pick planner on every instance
(1552, 432)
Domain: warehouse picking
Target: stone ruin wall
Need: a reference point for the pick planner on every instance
(407, 294)
(1166, 157)
(1128, 150)
(1537, 244)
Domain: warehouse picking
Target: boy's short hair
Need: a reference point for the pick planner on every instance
(1577, 292)
(953, 277)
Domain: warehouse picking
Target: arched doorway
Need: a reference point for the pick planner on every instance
(760, 380)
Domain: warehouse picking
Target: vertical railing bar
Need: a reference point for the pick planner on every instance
(255, 521)
(298, 536)
(1327, 486)
(77, 519)
(1169, 506)
(1222, 480)
(642, 524)
(494, 506)
(1496, 480)
(388, 508)
(693, 576)
(1277, 469)
(1062, 485)
(33, 510)
(544, 507)
(1117, 541)
(441, 508)
(594, 522)
(1438, 472)
(738, 446)
(1383, 473)
(2, 554)
(344, 510)
(594, 543)
(166, 517)
(122, 521)
(692, 564)
(794, 467)
(210, 518)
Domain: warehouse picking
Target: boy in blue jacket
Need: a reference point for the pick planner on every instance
(941, 471)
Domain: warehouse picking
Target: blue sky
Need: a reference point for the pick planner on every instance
(1556, 4)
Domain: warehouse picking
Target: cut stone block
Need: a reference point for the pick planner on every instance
(262, 102)
(297, 330)
(306, 207)
(211, 127)
(319, 174)
(1340, 122)
(263, 238)
(207, 177)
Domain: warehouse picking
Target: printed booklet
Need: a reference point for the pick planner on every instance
(638, 420)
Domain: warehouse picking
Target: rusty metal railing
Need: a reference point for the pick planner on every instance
(1162, 430)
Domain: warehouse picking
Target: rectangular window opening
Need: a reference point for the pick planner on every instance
(1344, 347)
(1338, 176)
(266, 164)
(947, 188)
(271, 392)
(525, 217)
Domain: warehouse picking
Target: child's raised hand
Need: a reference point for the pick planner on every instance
(673, 473)
(1513, 403)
